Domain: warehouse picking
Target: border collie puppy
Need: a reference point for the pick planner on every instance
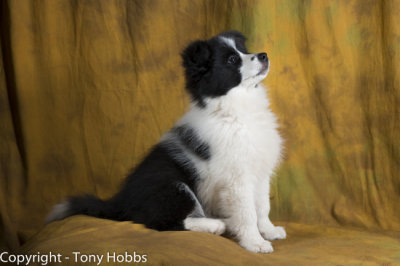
(211, 172)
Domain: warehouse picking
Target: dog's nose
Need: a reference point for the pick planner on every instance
(262, 57)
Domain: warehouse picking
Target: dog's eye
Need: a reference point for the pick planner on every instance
(233, 59)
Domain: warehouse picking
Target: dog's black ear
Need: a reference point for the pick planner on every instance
(197, 58)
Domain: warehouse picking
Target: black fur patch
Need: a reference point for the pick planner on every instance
(151, 195)
(192, 142)
(177, 154)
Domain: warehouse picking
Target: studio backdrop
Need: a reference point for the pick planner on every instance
(87, 87)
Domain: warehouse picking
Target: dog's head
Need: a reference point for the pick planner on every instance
(215, 66)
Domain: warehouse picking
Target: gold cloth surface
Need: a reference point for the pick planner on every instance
(87, 87)
(305, 245)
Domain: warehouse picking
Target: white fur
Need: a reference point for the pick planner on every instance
(230, 42)
(207, 225)
(242, 134)
(59, 212)
(245, 147)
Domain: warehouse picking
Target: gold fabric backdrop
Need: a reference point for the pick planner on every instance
(87, 87)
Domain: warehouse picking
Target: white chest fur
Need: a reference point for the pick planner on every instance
(244, 142)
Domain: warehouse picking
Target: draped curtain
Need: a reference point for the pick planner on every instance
(87, 87)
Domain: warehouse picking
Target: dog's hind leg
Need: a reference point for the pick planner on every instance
(196, 220)
(203, 224)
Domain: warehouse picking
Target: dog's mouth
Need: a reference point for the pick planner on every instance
(264, 69)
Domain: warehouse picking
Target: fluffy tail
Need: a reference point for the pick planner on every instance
(88, 205)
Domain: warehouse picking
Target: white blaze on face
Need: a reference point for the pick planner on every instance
(251, 65)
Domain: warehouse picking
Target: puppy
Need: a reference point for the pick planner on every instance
(211, 172)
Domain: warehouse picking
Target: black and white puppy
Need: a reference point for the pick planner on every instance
(211, 172)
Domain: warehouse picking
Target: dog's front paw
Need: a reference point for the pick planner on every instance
(261, 246)
(274, 233)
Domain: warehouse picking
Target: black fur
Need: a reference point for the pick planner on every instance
(191, 141)
(177, 154)
(150, 195)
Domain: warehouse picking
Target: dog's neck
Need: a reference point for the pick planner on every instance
(238, 100)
